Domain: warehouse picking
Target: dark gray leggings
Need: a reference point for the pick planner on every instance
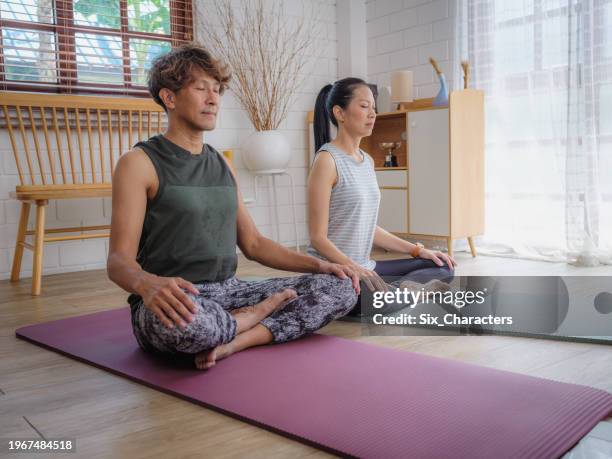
(321, 299)
(415, 269)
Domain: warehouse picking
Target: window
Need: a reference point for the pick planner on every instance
(87, 46)
(546, 69)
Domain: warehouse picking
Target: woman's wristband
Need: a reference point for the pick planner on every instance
(416, 251)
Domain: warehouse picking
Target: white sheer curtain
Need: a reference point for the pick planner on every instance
(546, 69)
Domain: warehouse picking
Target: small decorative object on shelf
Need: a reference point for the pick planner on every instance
(401, 88)
(442, 97)
(383, 100)
(390, 158)
(466, 73)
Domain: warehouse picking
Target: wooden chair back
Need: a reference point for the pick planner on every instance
(60, 140)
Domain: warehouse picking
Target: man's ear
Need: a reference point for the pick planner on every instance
(168, 97)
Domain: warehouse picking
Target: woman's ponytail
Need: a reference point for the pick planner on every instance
(321, 118)
(340, 94)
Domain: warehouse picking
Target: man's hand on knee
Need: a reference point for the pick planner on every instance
(164, 296)
(341, 271)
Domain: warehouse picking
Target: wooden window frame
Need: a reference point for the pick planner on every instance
(64, 29)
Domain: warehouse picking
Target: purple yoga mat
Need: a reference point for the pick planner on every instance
(351, 398)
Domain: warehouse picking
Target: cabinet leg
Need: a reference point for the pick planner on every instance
(449, 244)
(472, 246)
(23, 226)
(38, 247)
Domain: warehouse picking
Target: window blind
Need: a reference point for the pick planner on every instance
(95, 46)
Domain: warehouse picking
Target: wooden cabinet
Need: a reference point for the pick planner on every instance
(438, 190)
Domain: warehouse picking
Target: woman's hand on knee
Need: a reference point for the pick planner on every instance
(166, 298)
(439, 258)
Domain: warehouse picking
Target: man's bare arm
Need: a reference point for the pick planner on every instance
(130, 184)
(133, 178)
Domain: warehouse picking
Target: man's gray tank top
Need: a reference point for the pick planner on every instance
(189, 228)
(353, 207)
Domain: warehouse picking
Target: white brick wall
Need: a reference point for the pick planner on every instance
(404, 35)
(232, 128)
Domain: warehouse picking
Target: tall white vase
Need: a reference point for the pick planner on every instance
(266, 152)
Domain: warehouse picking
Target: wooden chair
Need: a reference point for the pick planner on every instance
(66, 147)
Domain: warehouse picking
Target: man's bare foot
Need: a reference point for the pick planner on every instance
(249, 316)
(207, 359)
(256, 336)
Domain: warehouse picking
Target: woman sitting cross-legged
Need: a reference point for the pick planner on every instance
(343, 196)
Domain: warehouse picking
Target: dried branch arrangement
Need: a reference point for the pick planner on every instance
(466, 73)
(266, 51)
(435, 65)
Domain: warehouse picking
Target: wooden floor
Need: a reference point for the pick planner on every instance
(43, 393)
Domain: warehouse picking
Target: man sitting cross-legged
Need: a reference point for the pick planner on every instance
(177, 218)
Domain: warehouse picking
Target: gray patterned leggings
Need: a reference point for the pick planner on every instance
(321, 299)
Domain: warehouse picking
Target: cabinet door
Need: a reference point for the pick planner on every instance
(392, 178)
(393, 210)
(429, 172)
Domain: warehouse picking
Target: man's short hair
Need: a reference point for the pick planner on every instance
(174, 70)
